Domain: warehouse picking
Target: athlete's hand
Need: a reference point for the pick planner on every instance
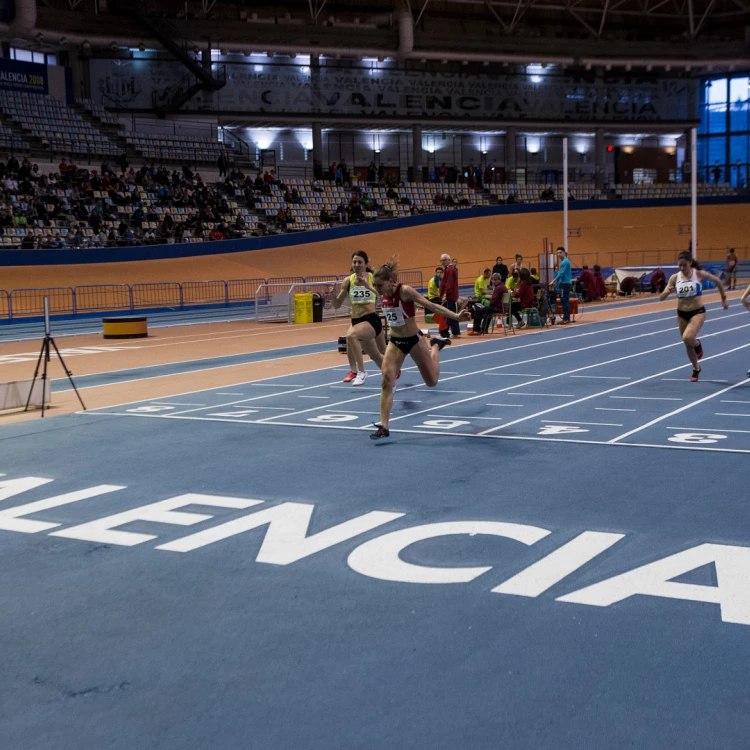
(465, 315)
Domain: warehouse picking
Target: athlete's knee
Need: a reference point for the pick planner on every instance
(389, 379)
(351, 336)
(688, 339)
(431, 381)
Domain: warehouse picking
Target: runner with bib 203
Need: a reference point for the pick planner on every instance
(366, 330)
(691, 314)
(398, 302)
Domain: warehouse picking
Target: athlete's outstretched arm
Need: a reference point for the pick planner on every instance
(412, 295)
(669, 288)
(716, 280)
(338, 300)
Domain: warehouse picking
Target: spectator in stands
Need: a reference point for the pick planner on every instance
(325, 217)
(381, 173)
(500, 268)
(221, 163)
(317, 186)
(281, 217)
(12, 165)
(658, 281)
(216, 234)
(588, 281)
(716, 172)
(267, 178)
(601, 286)
(341, 212)
(548, 194)
(371, 173)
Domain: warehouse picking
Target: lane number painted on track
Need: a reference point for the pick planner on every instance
(242, 413)
(700, 438)
(330, 418)
(444, 424)
(560, 429)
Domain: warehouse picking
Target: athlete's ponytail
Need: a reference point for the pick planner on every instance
(687, 255)
(388, 270)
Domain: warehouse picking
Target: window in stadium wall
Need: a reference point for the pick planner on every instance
(724, 132)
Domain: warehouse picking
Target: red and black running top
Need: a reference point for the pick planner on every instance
(395, 309)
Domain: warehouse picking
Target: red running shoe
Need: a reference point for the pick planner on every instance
(694, 376)
(350, 376)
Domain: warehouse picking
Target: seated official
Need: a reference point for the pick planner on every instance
(588, 281)
(480, 286)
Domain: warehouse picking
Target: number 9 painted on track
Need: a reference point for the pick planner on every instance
(333, 418)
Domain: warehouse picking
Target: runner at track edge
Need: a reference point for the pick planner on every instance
(366, 331)
(398, 302)
(691, 314)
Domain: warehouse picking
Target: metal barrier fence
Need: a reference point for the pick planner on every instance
(95, 297)
(170, 295)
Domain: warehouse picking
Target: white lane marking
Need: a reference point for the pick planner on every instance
(500, 350)
(648, 398)
(631, 383)
(440, 390)
(603, 408)
(702, 380)
(268, 408)
(581, 369)
(172, 403)
(325, 397)
(515, 406)
(726, 401)
(560, 395)
(348, 411)
(226, 393)
(278, 385)
(358, 387)
(567, 421)
(515, 374)
(727, 414)
(687, 406)
(450, 416)
(706, 429)
(536, 359)
(530, 438)
(602, 377)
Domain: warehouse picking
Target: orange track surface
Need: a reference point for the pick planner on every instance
(473, 241)
(196, 342)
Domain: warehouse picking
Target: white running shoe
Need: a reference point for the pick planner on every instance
(360, 379)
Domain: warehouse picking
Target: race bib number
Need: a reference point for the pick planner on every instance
(394, 316)
(686, 289)
(362, 295)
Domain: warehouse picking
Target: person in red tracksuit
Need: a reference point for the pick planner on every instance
(449, 295)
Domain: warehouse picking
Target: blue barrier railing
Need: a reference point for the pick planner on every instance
(165, 295)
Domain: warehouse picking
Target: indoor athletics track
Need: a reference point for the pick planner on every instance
(564, 516)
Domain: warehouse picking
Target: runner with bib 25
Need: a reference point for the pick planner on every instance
(398, 302)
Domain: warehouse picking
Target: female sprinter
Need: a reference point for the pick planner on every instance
(398, 302)
(366, 330)
(691, 313)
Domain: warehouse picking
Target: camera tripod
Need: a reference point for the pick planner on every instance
(43, 361)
